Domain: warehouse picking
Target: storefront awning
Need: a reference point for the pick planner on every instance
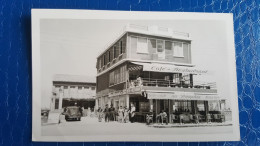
(182, 96)
(158, 67)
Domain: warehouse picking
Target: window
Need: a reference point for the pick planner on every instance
(93, 88)
(109, 57)
(114, 52)
(121, 47)
(214, 106)
(178, 49)
(111, 78)
(183, 106)
(160, 49)
(142, 45)
(117, 76)
(104, 59)
(100, 63)
(176, 78)
(186, 78)
(160, 46)
(153, 45)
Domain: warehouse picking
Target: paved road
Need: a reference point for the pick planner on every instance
(91, 126)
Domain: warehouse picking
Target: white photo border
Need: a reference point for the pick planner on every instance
(38, 14)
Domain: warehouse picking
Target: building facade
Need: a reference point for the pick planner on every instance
(152, 68)
(72, 90)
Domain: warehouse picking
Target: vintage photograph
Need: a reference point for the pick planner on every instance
(133, 76)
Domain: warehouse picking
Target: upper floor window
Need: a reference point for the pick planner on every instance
(140, 44)
(114, 49)
(109, 56)
(178, 49)
(100, 63)
(160, 46)
(104, 59)
(121, 47)
(160, 49)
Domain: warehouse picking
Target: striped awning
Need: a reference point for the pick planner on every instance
(135, 68)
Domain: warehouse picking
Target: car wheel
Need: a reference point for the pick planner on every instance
(79, 119)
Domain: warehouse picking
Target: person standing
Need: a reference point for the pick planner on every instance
(112, 113)
(99, 112)
(126, 114)
(132, 113)
(120, 114)
(106, 112)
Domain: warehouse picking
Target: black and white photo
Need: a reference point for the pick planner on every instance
(133, 76)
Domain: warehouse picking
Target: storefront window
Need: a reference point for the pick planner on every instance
(144, 106)
(214, 106)
(200, 106)
(182, 106)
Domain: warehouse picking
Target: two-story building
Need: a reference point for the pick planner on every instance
(152, 68)
(73, 90)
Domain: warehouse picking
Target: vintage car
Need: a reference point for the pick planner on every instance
(72, 113)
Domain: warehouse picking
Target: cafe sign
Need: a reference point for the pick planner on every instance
(182, 96)
(156, 67)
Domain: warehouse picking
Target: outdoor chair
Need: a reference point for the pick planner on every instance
(196, 118)
(219, 118)
(149, 119)
(181, 117)
(174, 118)
(192, 119)
(209, 119)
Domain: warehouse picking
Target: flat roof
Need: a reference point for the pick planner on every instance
(74, 78)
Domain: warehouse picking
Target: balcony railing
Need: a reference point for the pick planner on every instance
(170, 83)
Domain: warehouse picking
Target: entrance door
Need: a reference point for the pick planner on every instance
(116, 104)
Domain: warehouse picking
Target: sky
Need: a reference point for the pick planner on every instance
(71, 46)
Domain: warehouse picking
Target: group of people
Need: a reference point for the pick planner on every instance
(160, 118)
(122, 114)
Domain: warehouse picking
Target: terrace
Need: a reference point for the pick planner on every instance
(170, 85)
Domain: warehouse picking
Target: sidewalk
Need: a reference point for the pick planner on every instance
(176, 125)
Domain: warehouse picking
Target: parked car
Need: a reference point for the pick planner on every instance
(72, 113)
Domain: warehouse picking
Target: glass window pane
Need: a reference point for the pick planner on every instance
(168, 45)
(133, 43)
(142, 46)
(178, 49)
(160, 47)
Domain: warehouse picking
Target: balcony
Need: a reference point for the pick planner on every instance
(169, 85)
